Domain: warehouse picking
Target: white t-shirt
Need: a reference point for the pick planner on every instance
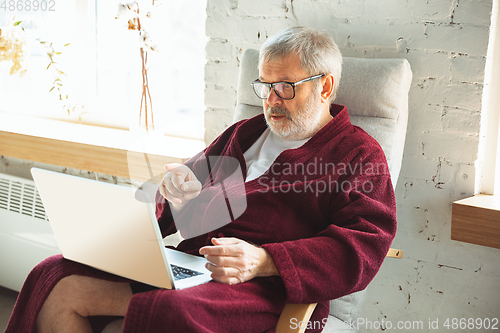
(261, 155)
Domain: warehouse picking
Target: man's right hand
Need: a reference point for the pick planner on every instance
(179, 185)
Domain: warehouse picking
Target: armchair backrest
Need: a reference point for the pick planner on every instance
(375, 92)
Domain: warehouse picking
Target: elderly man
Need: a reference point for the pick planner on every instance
(320, 216)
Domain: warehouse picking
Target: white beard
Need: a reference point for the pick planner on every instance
(304, 125)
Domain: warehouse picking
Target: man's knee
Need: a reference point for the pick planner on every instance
(89, 296)
(66, 295)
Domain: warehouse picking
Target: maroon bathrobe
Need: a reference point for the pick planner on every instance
(325, 212)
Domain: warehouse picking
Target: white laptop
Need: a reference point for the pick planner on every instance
(104, 226)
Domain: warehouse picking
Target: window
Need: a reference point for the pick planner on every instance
(488, 164)
(102, 64)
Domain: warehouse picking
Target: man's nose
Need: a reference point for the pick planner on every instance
(273, 98)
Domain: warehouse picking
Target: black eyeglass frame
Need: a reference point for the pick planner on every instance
(293, 84)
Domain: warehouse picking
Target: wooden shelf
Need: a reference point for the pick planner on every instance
(476, 220)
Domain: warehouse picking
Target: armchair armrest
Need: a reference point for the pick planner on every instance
(395, 253)
(301, 313)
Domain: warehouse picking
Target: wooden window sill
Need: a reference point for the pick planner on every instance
(476, 220)
(90, 148)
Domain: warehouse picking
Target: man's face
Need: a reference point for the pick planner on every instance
(300, 117)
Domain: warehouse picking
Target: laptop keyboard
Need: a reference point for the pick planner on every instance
(183, 273)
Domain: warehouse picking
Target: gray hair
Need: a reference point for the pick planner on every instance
(317, 51)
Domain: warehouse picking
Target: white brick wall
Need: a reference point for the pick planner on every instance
(445, 42)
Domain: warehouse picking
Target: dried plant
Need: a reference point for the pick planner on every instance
(12, 46)
(58, 85)
(59, 76)
(136, 16)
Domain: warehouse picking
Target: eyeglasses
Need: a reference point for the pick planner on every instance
(284, 90)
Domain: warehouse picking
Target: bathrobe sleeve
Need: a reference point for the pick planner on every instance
(345, 256)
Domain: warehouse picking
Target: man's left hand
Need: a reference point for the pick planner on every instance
(232, 260)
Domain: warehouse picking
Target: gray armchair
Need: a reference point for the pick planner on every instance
(375, 92)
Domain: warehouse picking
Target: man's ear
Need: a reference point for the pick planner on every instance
(327, 90)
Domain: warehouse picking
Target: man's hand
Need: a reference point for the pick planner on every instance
(233, 260)
(179, 185)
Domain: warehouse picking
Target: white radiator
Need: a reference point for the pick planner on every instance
(25, 234)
